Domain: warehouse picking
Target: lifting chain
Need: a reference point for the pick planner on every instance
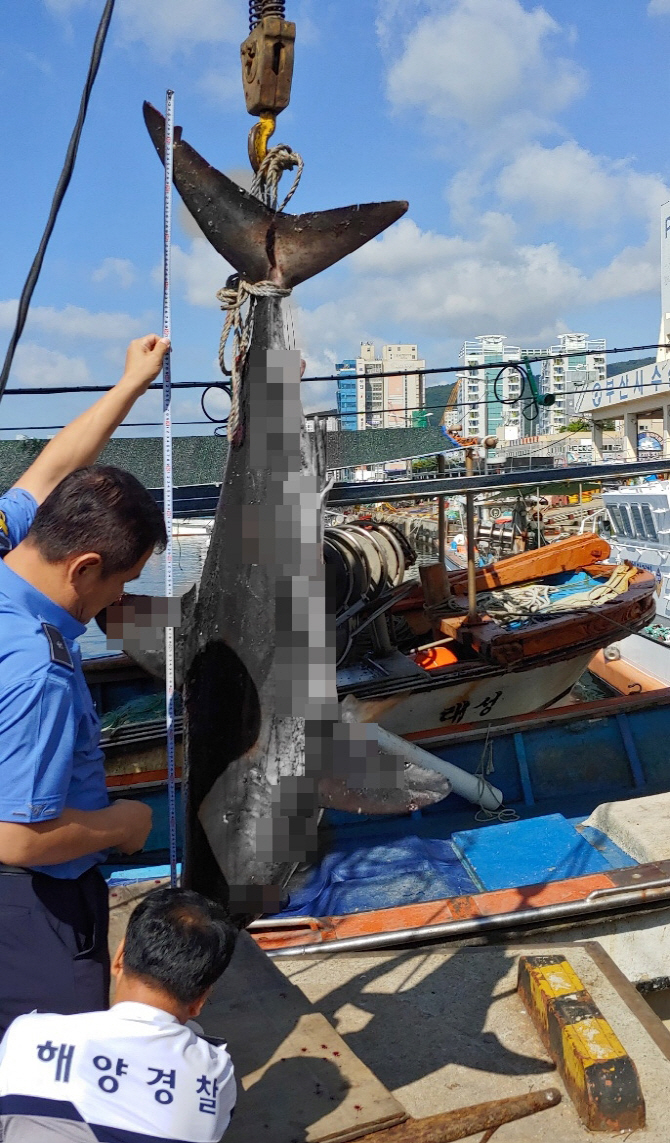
(260, 8)
(267, 71)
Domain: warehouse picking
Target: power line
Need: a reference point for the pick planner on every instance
(59, 193)
(411, 372)
(463, 369)
(124, 425)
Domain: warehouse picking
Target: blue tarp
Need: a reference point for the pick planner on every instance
(354, 877)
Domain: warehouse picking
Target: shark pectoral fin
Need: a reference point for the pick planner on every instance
(261, 243)
(420, 788)
(361, 776)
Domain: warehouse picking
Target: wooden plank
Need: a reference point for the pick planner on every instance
(297, 1079)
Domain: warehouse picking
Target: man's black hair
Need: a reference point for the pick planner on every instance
(99, 509)
(179, 941)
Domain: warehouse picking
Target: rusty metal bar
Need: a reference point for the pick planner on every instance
(441, 522)
(374, 491)
(470, 538)
(466, 1121)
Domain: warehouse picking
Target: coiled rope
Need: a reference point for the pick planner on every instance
(238, 293)
(534, 602)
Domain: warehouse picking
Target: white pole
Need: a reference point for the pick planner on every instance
(167, 488)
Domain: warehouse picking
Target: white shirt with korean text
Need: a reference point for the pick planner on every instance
(133, 1068)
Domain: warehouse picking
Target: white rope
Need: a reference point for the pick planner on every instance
(266, 180)
(485, 768)
(232, 301)
(535, 601)
(234, 297)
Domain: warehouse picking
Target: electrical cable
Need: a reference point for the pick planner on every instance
(123, 425)
(449, 368)
(470, 369)
(59, 193)
(220, 422)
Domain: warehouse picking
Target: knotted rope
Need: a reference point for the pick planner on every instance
(238, 293)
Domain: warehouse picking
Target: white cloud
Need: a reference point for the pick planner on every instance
(35, 366)
(481, 60)
(659, 8)
(568, 183)
(429, 284)
(633, 271)
(75, 322)
(65, 7)
(168, 26)
(200, 271)
(221, 87)
(463, 287)
(118, 271)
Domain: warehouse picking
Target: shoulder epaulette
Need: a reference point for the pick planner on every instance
(60, 652)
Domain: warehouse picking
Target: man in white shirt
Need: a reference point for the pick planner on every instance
(136, 1073)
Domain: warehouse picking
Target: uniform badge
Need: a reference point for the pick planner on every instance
(60, 652)
(5, 542)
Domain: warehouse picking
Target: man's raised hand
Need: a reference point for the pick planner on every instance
(144, 360)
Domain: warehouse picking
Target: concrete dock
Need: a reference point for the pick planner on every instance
(445, 1028)
(330, 1047)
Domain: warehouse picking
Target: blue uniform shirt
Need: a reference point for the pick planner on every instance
(50, 756)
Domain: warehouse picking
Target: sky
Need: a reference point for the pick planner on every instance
(528, 138)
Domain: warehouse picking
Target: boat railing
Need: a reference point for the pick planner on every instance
(592, 518)
(371, 492)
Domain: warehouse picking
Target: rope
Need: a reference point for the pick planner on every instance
(238, 293)
(535, 602)
(485, 768)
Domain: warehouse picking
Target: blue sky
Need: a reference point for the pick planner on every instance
(529, 140)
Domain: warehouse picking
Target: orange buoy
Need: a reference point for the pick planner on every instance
(434, 657)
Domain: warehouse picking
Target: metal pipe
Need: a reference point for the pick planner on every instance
(441, 522)
(539, 540)
(470, 542)
(661, 883)
(467, 1121)
(364, 493)
(474, 926)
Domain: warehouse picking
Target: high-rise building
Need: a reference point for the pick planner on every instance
(483, 393)
(566, 376)
(664, 334)
(347, 393)
(493, 400)
(367, 400)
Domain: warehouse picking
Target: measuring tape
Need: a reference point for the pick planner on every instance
(167, 488)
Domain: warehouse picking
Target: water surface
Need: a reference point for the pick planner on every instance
(188, 560)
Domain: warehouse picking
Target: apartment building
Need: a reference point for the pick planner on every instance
(390, 401)
(492, 400)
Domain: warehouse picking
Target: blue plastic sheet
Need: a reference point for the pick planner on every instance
(354, 877)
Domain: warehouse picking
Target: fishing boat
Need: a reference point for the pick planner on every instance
(578, 847)
(637, 520)
(413, 664)
(538, 619)
(581, 847)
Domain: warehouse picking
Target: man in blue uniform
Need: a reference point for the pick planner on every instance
(71, 536)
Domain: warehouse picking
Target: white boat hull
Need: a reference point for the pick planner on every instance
(499, 696)
(644, 654)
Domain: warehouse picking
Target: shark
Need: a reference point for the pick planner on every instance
(265, 749)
